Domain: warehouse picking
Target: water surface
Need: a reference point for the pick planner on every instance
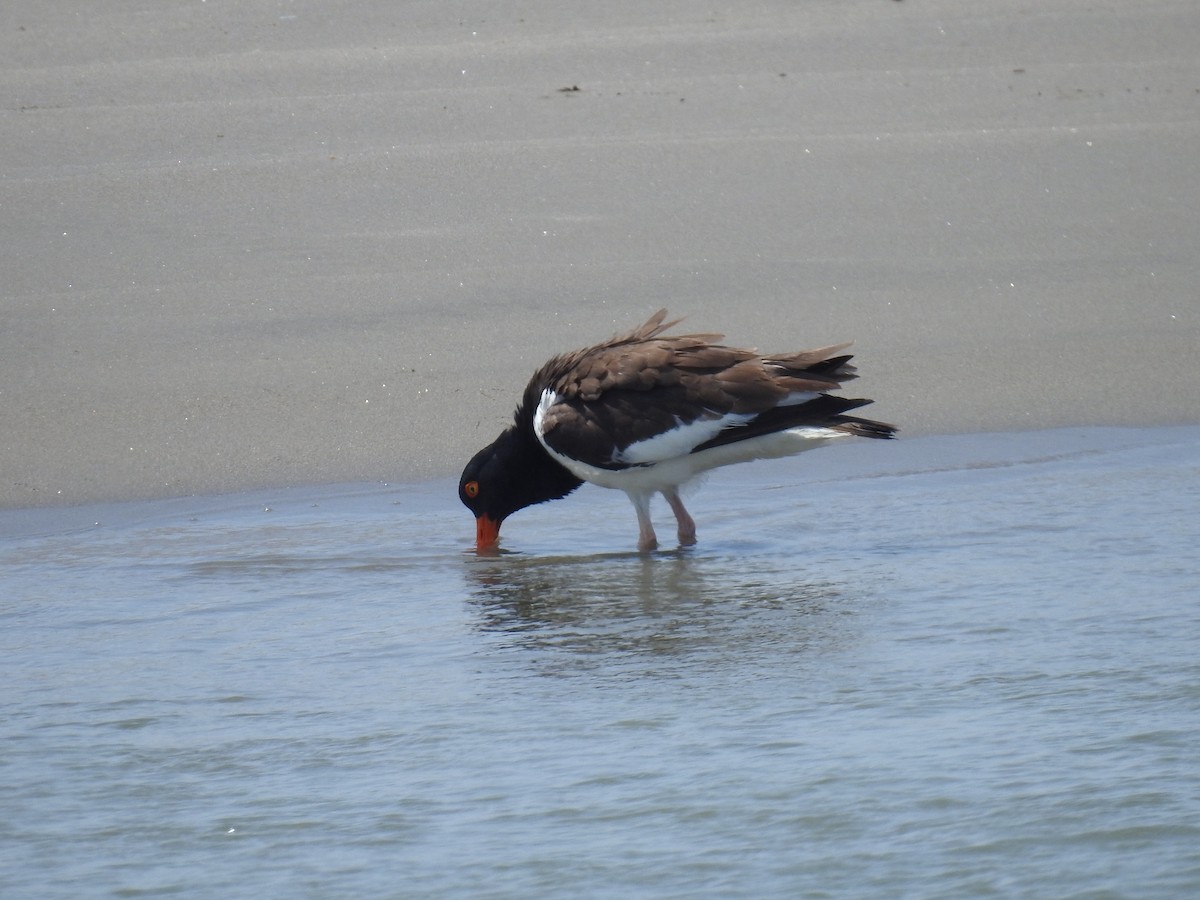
(937, 667)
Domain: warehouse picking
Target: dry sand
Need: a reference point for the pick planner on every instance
(259, 244)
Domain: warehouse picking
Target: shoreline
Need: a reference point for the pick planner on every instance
(965, 452)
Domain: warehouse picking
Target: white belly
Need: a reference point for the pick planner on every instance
(671, 473)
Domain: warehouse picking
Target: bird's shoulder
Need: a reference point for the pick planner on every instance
(593, 403)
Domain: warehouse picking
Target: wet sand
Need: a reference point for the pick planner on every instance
(314, 242)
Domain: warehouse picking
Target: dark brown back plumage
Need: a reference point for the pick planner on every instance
(641, 383)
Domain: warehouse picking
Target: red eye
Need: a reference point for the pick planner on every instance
(471, 489)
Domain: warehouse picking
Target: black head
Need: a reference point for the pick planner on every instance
(509, 474)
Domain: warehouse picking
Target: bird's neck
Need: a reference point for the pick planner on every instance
(545, 477)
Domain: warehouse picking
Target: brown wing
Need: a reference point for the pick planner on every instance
(640, 384)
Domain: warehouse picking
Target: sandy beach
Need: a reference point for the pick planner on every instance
(299, 242)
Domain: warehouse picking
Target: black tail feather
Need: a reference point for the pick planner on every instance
(867, 428)
(824, 411)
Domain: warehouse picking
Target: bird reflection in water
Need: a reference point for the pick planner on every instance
(667, 604)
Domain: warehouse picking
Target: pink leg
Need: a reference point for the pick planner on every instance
(687, 525)
(647, 539)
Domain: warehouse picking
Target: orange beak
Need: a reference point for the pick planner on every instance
(487, 532)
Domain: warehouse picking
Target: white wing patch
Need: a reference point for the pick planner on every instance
(680, 440)
(797, 398)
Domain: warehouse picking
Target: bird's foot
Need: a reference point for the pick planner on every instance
(647, 539)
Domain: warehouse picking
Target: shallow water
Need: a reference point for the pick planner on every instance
(937, 667)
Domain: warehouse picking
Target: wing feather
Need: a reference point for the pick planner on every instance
(610, 405)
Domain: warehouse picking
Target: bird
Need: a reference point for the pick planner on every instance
(646, 412)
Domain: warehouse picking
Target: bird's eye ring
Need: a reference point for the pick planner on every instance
(471, 489)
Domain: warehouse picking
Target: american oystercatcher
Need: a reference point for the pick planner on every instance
(646, 412)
